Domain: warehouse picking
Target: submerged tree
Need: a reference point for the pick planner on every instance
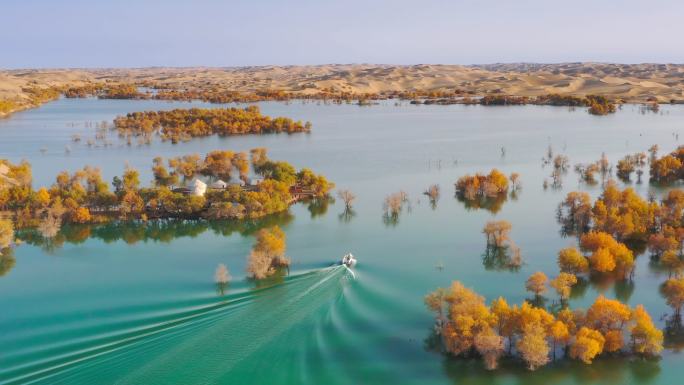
(222, 278)
(563, 283)
(393, 206)
(536, 283)
(6, 233)
(673, 291)
(433, 194)
(268, 253)
(501, 252)
(347, 197)
(497, 233)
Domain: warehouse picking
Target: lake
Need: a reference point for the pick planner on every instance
(131, 304)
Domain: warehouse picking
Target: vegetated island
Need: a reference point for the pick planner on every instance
(181, 192)
(466, 326)
(184, 124)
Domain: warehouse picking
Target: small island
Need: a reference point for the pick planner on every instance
(193, 189)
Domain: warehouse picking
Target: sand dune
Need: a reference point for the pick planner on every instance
(631, 82)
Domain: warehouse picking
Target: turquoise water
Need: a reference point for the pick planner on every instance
(125, 303)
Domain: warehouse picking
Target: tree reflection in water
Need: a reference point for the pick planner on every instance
(163, 230)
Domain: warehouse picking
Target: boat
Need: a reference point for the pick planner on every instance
(348, 260)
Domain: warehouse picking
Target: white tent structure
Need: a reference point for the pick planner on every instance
(219, 184)
(198, 187)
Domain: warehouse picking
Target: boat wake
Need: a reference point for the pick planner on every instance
(165, 349)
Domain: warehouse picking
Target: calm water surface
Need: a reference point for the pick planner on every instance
(132, 304)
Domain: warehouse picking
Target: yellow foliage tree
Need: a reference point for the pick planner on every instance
(587, 345)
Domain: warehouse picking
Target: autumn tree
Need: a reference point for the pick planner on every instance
(560, 335)
(433, 193)
(162, 177)
(394, 203)
(571, 260)
(131, 180)
(497, 233)
(221, 278)
(563, 283)
(241, 163)
(536, 283)
(533, 347)
(268, 253)
(646, 338)
(6, 234)
(673, 262)
(587, 345)
(575, 212)
(673, 291)
(347, 197)
(186, 166)
(218, 164)
(259, 157)
(490, 346)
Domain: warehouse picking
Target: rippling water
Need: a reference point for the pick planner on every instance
(127, 303)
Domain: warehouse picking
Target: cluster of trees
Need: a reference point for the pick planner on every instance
(84, 91)
(587, 172)
(106, 91)
(504, 100)
(669, 168)
(219, 164)
(478, 186)
(622, 215)
(603, 255)
(468, 327)
(7, 106)
(561, 100)
(487, 192)
(183, 124)
(84, 197)
(629, 164)
(600, 105)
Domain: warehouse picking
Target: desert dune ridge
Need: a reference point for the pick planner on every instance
(631, 83)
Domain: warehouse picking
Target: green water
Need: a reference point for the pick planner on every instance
(135, 304)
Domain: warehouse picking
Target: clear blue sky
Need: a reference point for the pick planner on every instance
(136, 33)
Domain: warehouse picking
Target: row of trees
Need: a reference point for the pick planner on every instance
(598, 105)
(214, 94)
(183, 124)
(468, 327)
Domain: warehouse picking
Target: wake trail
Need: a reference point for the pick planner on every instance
(206, 342)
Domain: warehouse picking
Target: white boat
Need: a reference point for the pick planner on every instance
(348, 260)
